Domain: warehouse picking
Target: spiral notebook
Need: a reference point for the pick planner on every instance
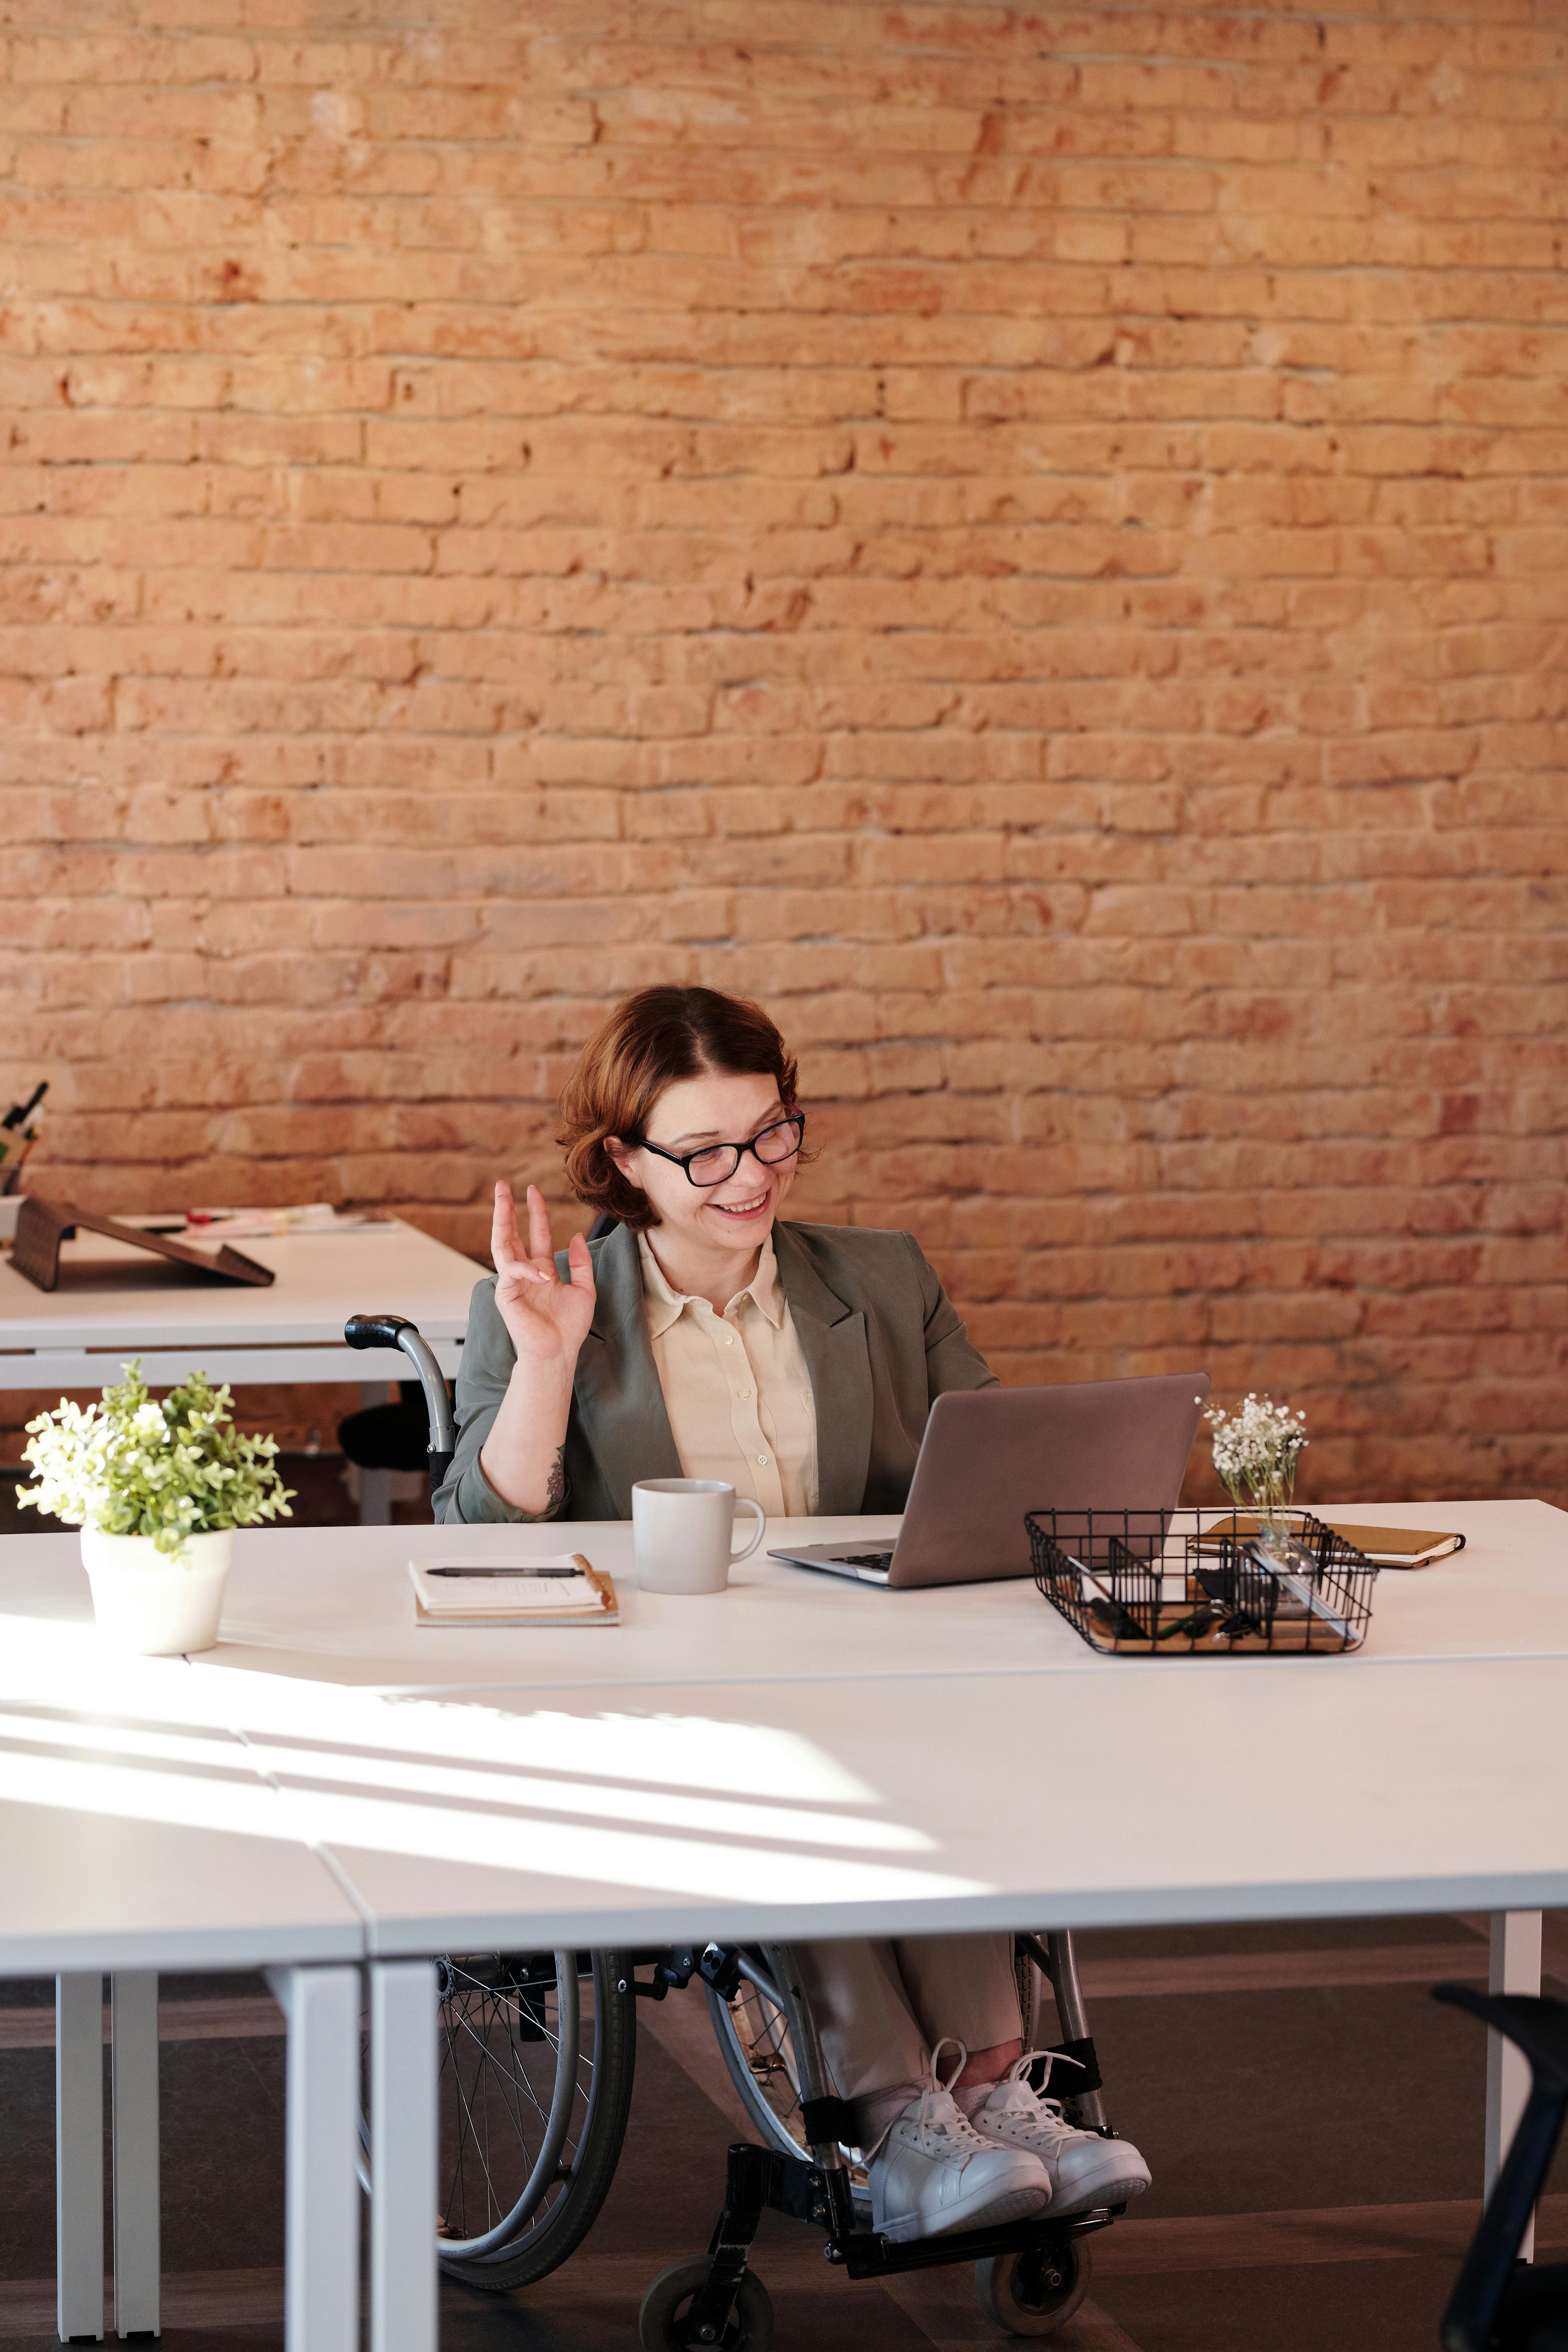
(564, 1590)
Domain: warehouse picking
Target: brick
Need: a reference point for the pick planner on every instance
(1048, 569)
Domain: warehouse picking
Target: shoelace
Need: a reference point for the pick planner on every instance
(1017, 2080)
(939, 2115)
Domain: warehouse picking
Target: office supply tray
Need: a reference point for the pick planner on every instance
(1159, 1583)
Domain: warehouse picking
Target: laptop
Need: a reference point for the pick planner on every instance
(990, 1454)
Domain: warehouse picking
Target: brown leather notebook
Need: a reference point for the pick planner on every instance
(1388, 1547)
(1398, 1547)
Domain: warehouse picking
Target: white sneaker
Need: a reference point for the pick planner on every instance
(933, 2172)
(1084, 2169)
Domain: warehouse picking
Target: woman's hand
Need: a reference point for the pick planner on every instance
(524, 1456)
(546, 1320)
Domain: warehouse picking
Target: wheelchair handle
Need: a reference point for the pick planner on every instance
(398, 1331)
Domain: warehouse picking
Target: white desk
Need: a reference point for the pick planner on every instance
(776, 1809)
(137, 1835)
(780, 1810)
(334, 1605)
(760, 1764)
(114, 1301)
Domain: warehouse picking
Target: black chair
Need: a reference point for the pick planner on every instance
(389, 1436)
(1499, 2303)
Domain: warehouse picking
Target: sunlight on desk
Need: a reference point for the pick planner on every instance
(336, 1794)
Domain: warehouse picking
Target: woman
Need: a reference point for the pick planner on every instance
(701, 1338)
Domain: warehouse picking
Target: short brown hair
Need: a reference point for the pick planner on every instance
(651, 1041)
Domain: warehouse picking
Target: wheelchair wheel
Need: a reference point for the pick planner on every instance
(753, 2034)
(663, 2308)
(537, 2056)
(1034, 2294)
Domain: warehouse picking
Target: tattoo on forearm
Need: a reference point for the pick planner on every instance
(555, 1490)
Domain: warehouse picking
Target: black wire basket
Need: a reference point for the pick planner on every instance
(1157, 1583)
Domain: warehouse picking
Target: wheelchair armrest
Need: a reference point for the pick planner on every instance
(398, 1331)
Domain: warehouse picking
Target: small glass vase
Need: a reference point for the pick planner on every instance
(1278, 1549)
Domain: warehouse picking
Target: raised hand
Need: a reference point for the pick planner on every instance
(546, 1320)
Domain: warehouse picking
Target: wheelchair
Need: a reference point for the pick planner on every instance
(537, 2051)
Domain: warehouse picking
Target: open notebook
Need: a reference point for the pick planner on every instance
(564, 1590)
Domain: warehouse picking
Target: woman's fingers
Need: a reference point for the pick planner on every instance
(513, 1272)
(505, 1247)
(541, 1247)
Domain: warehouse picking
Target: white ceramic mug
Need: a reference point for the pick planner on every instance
(683, 1530)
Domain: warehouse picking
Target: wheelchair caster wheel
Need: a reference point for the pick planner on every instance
(1034, 2294)
(662, 2325)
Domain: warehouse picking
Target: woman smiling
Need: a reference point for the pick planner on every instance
(584, 1372)
(703, 1339)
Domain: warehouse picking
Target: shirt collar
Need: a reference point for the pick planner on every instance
(666, 1305)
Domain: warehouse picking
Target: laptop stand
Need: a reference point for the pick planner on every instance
(43, 1225)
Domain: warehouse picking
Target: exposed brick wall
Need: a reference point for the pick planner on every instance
(1031, 539)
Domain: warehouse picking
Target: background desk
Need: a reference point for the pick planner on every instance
(79, 1336)
(75, 1337)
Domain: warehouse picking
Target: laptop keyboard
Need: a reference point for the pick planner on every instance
(882, 1559)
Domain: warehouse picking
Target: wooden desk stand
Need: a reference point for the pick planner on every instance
(43, 1225)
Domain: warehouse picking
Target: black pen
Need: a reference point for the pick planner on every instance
(503, 1572)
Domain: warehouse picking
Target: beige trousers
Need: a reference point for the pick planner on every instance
(882, 2008)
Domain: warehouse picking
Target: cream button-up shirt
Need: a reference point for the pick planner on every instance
(736, 1387)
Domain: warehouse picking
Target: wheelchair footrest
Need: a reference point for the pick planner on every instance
(867, 2254)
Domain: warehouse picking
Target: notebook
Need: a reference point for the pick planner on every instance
(1388, 1547)
(564, 1590)
(1398, 1547)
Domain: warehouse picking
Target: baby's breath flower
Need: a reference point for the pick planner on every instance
(132, 1466)
(1256, 1450)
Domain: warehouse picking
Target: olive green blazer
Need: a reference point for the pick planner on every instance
(881, 1339)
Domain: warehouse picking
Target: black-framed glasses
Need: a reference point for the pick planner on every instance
(716, 1163)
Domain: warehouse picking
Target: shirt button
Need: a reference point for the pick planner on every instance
(745, 1392)
(761, 1458)
(729, 1338)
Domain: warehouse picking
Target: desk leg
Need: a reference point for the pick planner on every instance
(1515, 1967)
(321, 2205)
(79, 2154)
(402, 2093)
(133, 2076)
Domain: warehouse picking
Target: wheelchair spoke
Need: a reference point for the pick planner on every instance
(465, 2129)
(474, 2123)
(498, 2035)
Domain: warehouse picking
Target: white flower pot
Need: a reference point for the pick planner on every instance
(157, 1604)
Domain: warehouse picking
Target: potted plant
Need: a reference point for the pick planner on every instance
(157, 1490)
